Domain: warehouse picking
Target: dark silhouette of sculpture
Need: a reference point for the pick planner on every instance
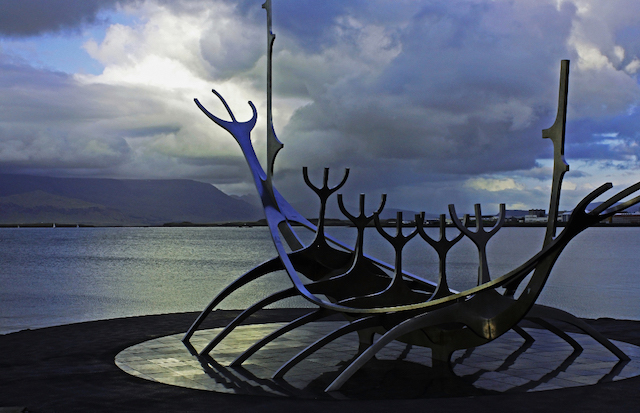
(376, 297)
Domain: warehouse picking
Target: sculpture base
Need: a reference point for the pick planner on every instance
(508, 364)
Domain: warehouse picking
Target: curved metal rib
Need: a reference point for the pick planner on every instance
(274, 264)
(280, 295)
(394, 333)
(368, 322)
(541, 311)
(279, 212)
(484, 313)
(488, 327)
(555, 330)
(300, 321)
(526, 336)
(604, 207)
(578, 222)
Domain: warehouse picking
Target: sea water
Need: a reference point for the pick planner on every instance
(51, 276)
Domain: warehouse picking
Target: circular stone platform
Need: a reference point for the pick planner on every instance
(508, 364)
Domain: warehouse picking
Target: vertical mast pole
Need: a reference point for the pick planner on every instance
(273, 144)
(556, 133)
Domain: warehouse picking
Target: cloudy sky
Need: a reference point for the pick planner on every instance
(431, 101)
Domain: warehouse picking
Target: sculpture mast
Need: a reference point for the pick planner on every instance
(273, 144)
(556, 133)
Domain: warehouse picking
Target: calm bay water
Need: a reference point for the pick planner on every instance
(52, 276)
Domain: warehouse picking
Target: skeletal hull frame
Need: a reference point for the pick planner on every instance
(376, 297)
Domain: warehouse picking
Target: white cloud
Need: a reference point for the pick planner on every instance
(494, 185)
(633, 66)
(519, 205)
(605, 66)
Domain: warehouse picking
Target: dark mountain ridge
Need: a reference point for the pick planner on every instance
(117, 201)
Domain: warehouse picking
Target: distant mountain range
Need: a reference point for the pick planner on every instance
(26, 199)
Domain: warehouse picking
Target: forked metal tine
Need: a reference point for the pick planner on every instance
(420, 227)
(226, 125)
(480, 238)
(442, 247)
(362, 215)
(620, 195)
(383, 201)
(399, 239)
(620, 207)
(582, 205)
(224, 102)
(443, 229)
(324, 191)
(419, 218)
(344, 180)
(479, 222)
(305, 175)
(462, 227)
(343, 209)
(500, 220)
(325, 178)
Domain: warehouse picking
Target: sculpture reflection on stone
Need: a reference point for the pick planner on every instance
(378, 298)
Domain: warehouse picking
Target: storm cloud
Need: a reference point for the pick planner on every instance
(34, 17)
(432, 102)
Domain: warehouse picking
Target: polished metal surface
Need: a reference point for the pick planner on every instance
(379, 298)
(507, 365)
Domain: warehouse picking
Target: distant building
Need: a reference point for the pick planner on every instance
(489, 220)
(564, 216)
(625, 218)
(535, 215)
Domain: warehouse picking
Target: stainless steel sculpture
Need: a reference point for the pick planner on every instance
(375, 297)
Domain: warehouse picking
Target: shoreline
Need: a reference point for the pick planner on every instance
(262, 223)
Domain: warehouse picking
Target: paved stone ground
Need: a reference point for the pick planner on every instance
(71, 368)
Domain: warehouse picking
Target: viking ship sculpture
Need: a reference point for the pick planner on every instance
(379, 298)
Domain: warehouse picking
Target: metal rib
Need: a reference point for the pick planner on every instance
(280, 295)
(363, 323)
(403, 328)
(549, 312)
(526, 336)
(274, 264)
(558, 332)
